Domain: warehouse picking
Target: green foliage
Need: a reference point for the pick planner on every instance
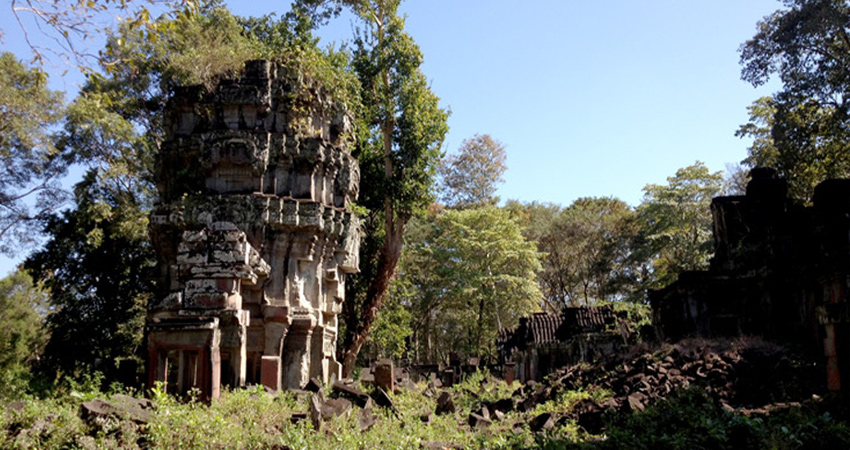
(70, 25)
(562, 402)
(254, 419)
(676, 223)
(399, 155)
(31, 164)
(588, 248)
(469, 177)
(481, 386)
(691, 419)
(637, 315)
(472, 273)
(22, 339)
(392, 329)
(802, 129)
(99, 276)
(402, 128)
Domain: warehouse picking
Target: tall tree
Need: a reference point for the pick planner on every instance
(98, 269)
(471, 272)
(596, 234)
(802, 130)
(491, 271)
(676, 222)
(588, 248)
(31, 163)
(405, 128)
(538, 220)
(417, 286)
(470, 176)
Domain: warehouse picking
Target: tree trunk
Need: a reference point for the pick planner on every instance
(388, 257)
(480, 330)
(429, 354)
(387, 261)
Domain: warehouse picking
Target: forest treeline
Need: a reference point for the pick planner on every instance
(445, 263)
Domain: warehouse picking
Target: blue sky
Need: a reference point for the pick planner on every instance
(590, 98)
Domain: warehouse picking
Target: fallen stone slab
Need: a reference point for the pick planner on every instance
(17, 406)
(405, 384)
(336, 407)
(120, 406)
(635, 402)
(478, 421)
(445, 404)
(381, 398)
(367, 419)
(504, 405)
(316, 402)
(384, 377)
(314, 385)
(545, 421)
(360, 398)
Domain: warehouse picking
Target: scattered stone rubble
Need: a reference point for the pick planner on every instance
(751, 376)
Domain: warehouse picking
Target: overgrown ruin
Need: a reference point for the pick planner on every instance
(544, 342)
(254, 233)
(780, 270)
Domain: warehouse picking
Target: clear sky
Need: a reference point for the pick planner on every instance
(591, 98)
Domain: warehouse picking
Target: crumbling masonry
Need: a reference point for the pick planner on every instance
(780, 270)
(254, 233)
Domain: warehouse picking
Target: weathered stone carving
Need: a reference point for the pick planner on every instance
(254, 233)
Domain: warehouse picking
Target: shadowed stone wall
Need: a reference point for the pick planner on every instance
(780, 270)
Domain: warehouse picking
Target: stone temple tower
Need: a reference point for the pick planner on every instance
(254, 233)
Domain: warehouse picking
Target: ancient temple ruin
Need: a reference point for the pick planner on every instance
(544, 342)
(254, 233)
(780, 270)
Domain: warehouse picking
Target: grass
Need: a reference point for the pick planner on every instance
(254, 419)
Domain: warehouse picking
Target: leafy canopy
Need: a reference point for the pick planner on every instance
(469, 273)
(31, 163)
(802, 130)
(470, 176)
(677, 223)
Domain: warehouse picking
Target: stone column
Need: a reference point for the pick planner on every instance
(297, 350)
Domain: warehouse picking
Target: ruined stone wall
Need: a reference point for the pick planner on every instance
(780, 270)
(254, 233)
(544, 342)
